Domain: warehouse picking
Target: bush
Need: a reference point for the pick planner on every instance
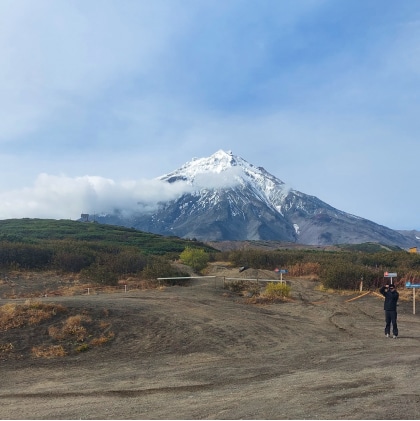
(276, 290)
(100, 274)
(160, 267)
(344, 275)
(82, 348)
(68, 261)
(241, 286)
(196, 258)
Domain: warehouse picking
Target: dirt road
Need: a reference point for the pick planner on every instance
(201, 352)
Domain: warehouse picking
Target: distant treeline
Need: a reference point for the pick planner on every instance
(104, 254)
(106, 263)
(95, 262)
(335, 269)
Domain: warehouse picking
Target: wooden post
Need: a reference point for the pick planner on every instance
(414, 300)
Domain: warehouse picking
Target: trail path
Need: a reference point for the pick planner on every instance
(201, 353)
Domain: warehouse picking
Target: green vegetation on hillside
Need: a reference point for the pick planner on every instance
(104, 254)
(101, 253)
(335, 269)
(33, 231)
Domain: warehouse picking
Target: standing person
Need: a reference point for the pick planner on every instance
(390, 306)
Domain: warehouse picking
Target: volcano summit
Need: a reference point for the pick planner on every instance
(223, 197)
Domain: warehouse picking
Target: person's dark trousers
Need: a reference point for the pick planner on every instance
(391, 317)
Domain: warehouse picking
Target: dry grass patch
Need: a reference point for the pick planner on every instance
(80, 330)
(72, 327)
(50, 351)
(103, 324)
(103, 339)
(64, 334)
(256, 293)
(13, 315)
(8, 347)
(406, 294)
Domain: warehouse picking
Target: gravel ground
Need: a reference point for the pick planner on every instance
(201, 352)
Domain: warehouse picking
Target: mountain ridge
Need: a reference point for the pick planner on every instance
(223, 197)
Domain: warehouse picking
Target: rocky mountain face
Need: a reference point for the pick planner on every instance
(223, 197)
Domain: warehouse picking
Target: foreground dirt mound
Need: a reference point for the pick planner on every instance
(201, 351)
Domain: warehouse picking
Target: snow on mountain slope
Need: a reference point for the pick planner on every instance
(223, 197)
(225, 170)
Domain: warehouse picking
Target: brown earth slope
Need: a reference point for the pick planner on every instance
(201, 352)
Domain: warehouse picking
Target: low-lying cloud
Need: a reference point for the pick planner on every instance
(62, 197)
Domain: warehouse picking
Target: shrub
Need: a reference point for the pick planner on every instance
(196, 258)
(72, 261)
(159, 267)
(100, 274)
(82, 348)
(240, 286)
(343, 275)
(276, 290)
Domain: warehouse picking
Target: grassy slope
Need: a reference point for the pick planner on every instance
(38, 230)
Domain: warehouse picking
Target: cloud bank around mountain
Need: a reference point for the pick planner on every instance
(62, 197)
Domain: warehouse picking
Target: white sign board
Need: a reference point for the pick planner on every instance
(390, 275)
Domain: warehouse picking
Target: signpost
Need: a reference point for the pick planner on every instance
(281, 271)
(414, 287)
(390, 275)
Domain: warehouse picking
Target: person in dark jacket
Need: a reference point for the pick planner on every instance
(390, 306)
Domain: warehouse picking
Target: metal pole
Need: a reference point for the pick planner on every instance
(414, 300)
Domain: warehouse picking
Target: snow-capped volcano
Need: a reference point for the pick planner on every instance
(223, 197)
(223, 170)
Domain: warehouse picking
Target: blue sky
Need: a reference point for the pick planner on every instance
(99, 97)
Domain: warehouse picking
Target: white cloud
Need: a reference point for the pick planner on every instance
(224, 179)
(62, 197)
